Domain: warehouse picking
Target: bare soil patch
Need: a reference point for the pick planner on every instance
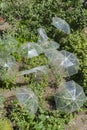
(79, 122)
(48, 98)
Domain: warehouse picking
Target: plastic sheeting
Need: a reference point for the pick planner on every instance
(70, 97)
(34, 70)
(70, 63)
(61, 24)
(27, 99)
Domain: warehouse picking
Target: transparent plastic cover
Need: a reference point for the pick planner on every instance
(27, 99)
(61, 24)
(42, 35)
(70, 97)
(64, 60)
(29, 50)
(34, 70)
(44, 42)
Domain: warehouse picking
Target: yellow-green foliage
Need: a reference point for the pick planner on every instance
(5, 125)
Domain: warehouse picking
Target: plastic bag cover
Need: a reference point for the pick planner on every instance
(70, 97)
(27, 98)
(34, 70)
(61, 24)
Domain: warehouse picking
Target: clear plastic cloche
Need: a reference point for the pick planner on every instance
(27, 99)
(61, 24)
(69, 97)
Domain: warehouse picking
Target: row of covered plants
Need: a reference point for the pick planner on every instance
(70, 96)
(36, 71)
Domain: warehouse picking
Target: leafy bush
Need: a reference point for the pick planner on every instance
(74, 13)
(19, 117)
(26, 18)
(5, 125)
(44, 120)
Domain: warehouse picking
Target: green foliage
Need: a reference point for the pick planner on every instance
(19, 117)
(35, 79)
(44, 120)
(77, 44)
(76, 17)
(5, 125)
(27, 16)
(35, 62)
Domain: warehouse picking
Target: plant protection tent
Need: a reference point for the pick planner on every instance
(61, 24)
(69, 97)
(30, 50)
(64, 60)
(44, 42)
(27, 99)
(69, 63)
(42, 35)
(35, 70)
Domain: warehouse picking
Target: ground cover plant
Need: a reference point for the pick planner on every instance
(24, 18)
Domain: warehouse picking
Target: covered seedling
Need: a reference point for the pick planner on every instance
(69, 62)
(61, 24)
(44, 42)
(29, 50)
(42, 35)
(70, 97)
(64, 60)
(27, 99)
(52, 55)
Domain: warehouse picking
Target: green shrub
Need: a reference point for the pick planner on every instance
(19, 117)
(5, 125)
(45, 120)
